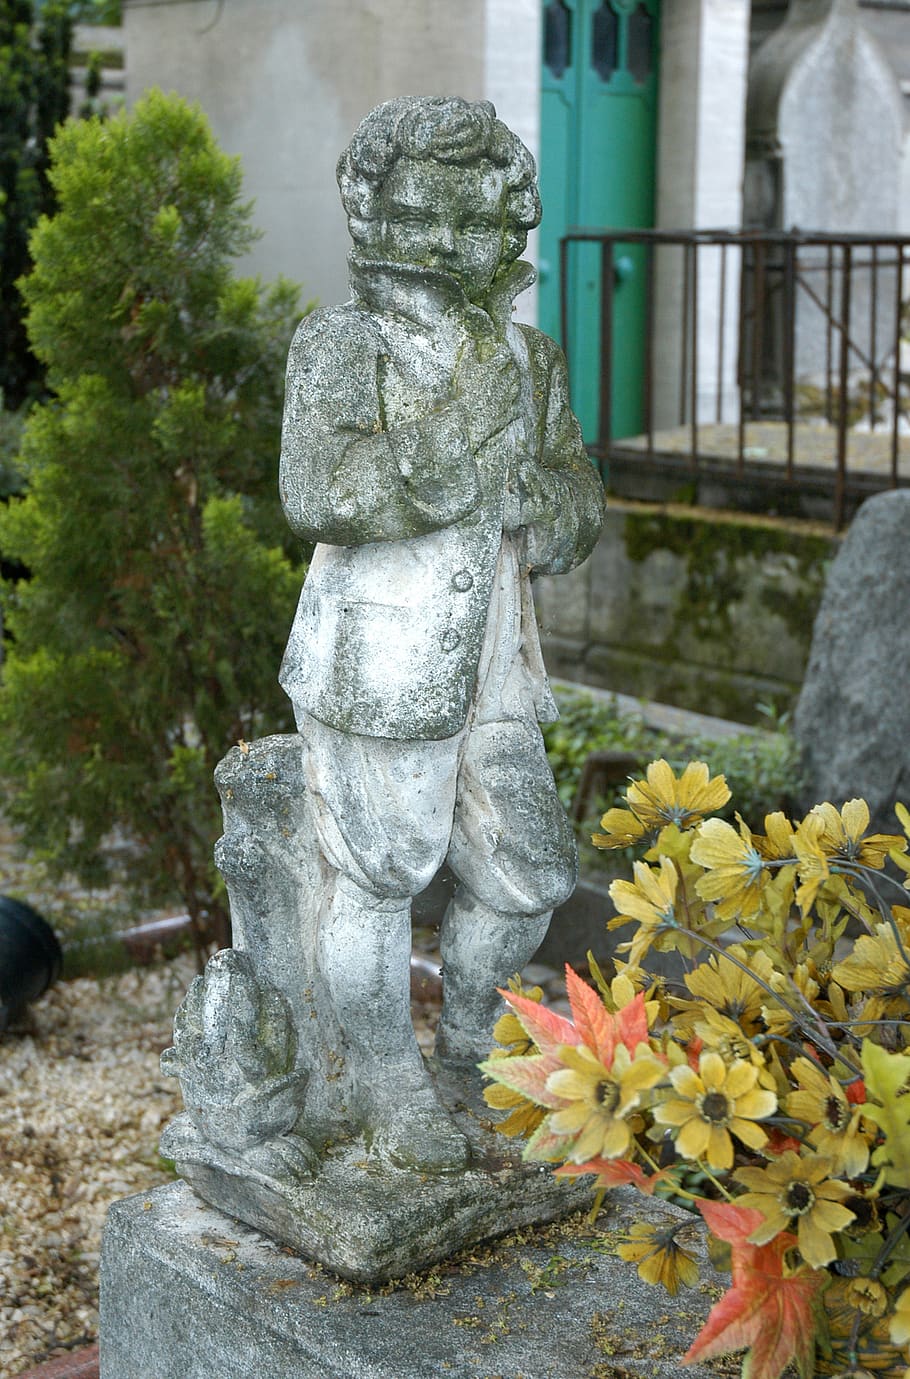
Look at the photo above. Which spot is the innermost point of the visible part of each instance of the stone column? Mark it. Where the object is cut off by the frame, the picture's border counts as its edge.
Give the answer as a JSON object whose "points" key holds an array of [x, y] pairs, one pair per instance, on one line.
{"points": [[704, 58], [824, 128]]}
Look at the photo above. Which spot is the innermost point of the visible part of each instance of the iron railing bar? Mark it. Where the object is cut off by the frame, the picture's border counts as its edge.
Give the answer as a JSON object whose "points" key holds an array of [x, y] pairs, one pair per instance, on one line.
{"points": [[758, 323], [721, 333], [873, 334], [684, 336], [741, 365], [693, 394], [835, 321], [841, 478], [790, 351], [774, 237], [605, 419], [828, 313], [651, 254], [898, 312]]}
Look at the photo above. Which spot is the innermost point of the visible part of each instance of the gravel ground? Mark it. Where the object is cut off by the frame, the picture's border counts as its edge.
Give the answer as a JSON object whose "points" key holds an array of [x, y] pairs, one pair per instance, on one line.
{"points": [[82, 1103]]}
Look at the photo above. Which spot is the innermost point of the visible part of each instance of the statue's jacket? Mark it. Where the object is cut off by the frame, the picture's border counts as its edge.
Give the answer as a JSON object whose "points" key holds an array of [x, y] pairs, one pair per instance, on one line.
{"points": [[382, 466]]}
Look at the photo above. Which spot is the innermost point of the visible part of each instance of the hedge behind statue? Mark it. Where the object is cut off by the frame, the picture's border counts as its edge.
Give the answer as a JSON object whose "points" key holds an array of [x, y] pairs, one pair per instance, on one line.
{"points": [[146, 639]]}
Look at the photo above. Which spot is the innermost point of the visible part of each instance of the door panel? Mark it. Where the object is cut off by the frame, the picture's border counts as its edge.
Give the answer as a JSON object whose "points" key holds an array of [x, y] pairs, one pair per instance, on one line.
{"points": [[598, 168]]}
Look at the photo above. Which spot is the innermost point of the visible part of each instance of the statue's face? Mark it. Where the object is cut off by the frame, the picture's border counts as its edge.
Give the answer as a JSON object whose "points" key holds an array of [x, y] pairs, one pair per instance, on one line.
{"points": [[445, 215]]}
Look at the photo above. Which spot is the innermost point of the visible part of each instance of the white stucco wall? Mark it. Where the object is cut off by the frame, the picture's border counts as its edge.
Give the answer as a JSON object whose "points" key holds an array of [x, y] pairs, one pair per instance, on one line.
{"points": [[284, 85], [512, 39], [701, 146]]}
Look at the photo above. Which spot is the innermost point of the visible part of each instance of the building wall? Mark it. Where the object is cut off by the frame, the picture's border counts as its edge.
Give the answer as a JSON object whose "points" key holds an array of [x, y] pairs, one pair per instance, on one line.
{"points": [[704, 53], [707, 610], [285, 84]]}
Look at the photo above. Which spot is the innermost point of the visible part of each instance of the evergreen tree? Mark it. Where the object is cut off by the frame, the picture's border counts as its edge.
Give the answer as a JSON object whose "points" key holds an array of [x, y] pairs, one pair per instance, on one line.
{"points": [[34, 98], [148, 638]]}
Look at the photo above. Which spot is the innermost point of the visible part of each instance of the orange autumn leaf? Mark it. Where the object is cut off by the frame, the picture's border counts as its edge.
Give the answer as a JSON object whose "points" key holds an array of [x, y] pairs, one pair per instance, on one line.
{"points": [[765, 1312], [595, 1025], [544, 1027], [614, 1173]]}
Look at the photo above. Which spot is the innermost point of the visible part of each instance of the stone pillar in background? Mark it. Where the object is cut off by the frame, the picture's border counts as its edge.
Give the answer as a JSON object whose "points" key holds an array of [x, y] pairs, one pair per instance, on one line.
{"points": [[824, 130], [703, 63]]}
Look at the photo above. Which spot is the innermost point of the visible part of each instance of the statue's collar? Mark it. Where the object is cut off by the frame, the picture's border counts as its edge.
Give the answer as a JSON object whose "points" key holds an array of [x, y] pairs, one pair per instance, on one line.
{"points": [[421, 295]]}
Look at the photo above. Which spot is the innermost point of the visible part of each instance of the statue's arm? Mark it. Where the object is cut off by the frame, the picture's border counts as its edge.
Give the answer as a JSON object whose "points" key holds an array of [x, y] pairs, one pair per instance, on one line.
{"points": [[346, 479], [562, 493]]}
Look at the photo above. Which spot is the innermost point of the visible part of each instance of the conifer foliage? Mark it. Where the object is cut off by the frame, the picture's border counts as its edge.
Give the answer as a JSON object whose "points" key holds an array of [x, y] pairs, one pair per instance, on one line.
{"points": [[34, 98], [147, 639]]}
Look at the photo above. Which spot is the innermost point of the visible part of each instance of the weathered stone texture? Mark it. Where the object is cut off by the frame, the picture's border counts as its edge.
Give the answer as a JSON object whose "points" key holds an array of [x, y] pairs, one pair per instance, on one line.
{"points": [[853, 715], [681, 605], [187, 1293]]}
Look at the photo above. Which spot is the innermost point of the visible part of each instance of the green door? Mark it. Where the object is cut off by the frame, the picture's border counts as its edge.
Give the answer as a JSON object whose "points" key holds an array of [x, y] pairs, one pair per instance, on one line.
{"points": [[598, 171]]}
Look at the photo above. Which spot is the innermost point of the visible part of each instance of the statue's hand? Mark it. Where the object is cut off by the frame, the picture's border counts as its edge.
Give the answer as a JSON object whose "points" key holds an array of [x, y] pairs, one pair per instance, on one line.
{"points": [[487, 384]]}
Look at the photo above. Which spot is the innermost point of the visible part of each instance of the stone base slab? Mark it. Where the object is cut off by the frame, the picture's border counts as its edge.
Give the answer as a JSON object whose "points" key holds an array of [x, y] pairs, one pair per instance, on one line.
{"points": [[188, 1293], [365, 1219]]}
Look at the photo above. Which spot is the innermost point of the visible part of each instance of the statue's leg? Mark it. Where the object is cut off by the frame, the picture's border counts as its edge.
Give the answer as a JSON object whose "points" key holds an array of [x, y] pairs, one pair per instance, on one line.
{"points": [[514, 855], [481, 950], [364, 956], [383, 815]]}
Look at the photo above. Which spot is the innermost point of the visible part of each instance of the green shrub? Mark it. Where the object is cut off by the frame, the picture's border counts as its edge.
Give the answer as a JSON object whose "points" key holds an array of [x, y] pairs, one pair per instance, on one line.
{"points": [[163, 582]]}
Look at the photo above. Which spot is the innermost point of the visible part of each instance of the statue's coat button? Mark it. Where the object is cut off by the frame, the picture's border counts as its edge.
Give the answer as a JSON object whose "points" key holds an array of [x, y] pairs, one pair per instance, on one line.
{"points": [[450, 639], [462, 581]]}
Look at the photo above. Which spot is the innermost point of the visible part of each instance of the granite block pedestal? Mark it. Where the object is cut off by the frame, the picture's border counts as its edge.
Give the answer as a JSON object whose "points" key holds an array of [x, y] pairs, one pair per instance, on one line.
{"points": [[188, 1293]]}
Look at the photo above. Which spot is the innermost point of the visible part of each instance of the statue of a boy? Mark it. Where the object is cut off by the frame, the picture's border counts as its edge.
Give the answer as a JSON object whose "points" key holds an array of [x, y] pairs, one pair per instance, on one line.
{"points": [[429, 448]]}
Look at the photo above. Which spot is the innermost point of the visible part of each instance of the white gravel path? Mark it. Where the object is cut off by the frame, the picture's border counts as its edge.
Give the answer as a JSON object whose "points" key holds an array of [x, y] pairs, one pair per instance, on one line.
{"points": [[82, 1103]]}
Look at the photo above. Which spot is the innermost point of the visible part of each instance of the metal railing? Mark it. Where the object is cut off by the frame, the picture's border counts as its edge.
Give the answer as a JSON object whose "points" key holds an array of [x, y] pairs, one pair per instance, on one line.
{"points": [[743, 327]]}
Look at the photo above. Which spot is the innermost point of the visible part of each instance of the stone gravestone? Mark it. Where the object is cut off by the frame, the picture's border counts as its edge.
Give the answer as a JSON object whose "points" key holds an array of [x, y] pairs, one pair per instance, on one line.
{"points": [[853, 715], [429, 449]]}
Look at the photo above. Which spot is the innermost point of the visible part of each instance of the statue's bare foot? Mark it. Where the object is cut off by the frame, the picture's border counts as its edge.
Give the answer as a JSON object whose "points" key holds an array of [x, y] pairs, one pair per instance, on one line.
{"points": [[418, 1134]]}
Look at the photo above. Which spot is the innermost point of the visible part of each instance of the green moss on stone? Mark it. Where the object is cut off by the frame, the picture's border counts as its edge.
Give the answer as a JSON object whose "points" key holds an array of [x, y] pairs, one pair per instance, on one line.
{"points": [[724, 558]]}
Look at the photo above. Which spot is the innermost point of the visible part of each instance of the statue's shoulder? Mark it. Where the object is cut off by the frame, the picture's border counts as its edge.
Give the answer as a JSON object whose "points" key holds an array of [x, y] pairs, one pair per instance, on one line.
{"points": [[543, 349], [336, 331]]}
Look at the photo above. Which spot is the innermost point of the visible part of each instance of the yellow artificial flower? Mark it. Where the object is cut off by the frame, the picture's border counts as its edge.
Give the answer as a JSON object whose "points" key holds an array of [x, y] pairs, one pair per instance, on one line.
{"points": [[622, 830], [661, 798], [728, 987], [900, 1319], [650, 899], [659, 1257], [734, 869], [779, 841], [821, 1102], [789, 986], [601, 1100], [524, 1116], [843, 835], [797, 1190], [712, 1104], [724, 1036], [812, 861], [877, 963]]}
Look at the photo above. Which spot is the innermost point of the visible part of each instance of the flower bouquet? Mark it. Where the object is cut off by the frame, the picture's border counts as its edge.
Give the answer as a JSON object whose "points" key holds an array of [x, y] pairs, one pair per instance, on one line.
{"points": [[768, 1089]]}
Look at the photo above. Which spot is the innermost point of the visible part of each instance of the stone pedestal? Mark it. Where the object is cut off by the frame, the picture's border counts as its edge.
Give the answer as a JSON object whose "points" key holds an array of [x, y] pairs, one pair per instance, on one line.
{"points": [[187, 1293], [367, 1220]]}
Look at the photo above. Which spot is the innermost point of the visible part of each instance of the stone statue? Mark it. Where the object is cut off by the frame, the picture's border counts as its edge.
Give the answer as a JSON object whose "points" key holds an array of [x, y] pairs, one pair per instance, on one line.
{"points": [[429, 449]]}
